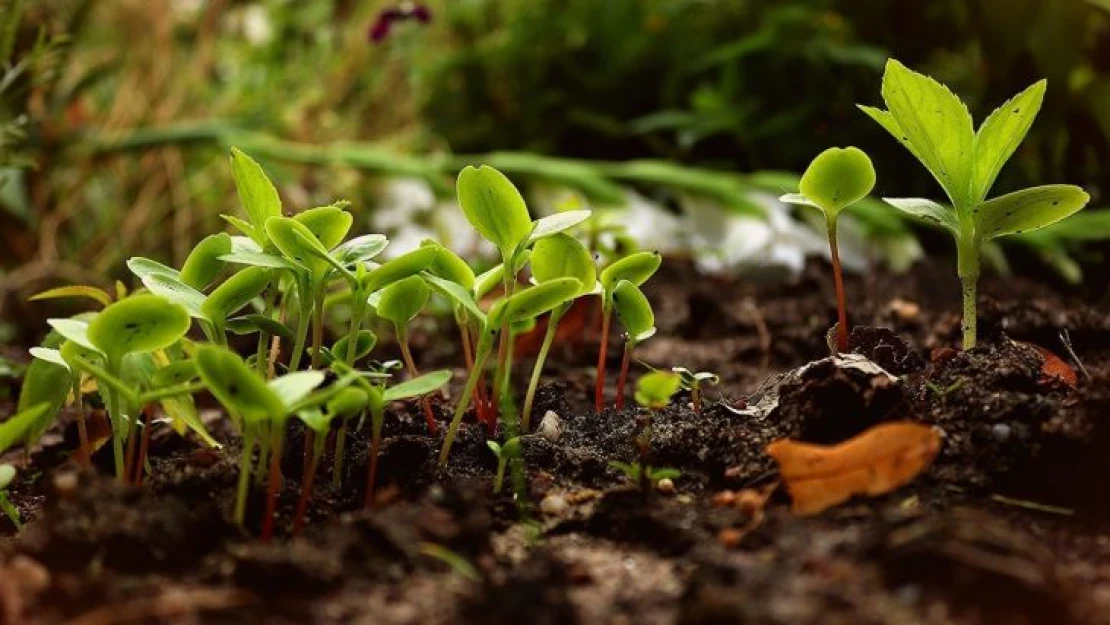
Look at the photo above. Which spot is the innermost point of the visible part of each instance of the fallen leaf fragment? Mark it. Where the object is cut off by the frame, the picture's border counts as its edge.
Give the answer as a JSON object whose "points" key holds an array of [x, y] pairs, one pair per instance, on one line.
{"points": [[877, 461], [1054, 367]]}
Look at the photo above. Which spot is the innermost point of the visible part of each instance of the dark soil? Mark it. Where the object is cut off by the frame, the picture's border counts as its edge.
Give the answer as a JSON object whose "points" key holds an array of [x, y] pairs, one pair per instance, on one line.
{"points": [[1011, 524]]}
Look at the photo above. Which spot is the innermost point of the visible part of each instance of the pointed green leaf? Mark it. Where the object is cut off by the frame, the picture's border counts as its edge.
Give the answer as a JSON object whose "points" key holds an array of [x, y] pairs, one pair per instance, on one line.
{"points": [[259, 197], [140, 323], [533, 301], [329, 224], [418, 386], [204, 263], [458, 295], [257, 259], [634, 311], [238, 387], [837, 178], [76, 290], [73, 330], [256, 235], [49, 355], [296, 242], [797, 198], [1028, 209], [250, 324], [559, 222], [936, 123], [636, 268], [494, 207], [927, 210], [563, 256], [449, 266], [1001, 133], [15, 429], [235, 293], [403, 300], [145, 267], [398, 268], [360, 249]]}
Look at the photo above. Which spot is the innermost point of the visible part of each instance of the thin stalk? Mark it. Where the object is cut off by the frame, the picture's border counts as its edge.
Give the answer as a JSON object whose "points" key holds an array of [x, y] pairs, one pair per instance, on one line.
{"points": [[537, 369], [263, 336], [263, 436], [301, 335], [468, 357], [277, 441], [82, 428], [340, 452], [695, 397], [117, 441], [410, 366], [144, 447], [306, 487], [358, 309], [599, 392], [838, 280], [480, 357], [241, 489], [317, 328], [499, 479], [629, 345], [967, 250], [377, 417]]}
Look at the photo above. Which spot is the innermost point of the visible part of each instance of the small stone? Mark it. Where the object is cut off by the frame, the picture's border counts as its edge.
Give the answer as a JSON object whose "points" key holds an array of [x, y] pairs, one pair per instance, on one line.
{"points": [[1001, 432], [551, 426], [730, 537], [905, 310], [665, 486], [554, 505], [65, 484], [723, 499]]}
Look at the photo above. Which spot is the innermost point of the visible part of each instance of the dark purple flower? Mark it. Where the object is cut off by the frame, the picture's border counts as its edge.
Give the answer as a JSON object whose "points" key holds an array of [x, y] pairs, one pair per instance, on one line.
{"points": [[381, 27]]}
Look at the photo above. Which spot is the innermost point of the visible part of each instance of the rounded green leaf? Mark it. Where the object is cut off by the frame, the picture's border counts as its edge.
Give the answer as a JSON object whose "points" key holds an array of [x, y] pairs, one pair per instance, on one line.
{"points": [[175, 373], [399, 268], [838, 177], [329, 224], [559, 222], [348, 402], [360, 249], [494, 207], [238, 387], [141, 323], [403, 300], [7, 474], [235, 293], [654, 389], [634, 311], [636, 268], [296, 242], [417, 386], [533, 301], [293, 387], [563, 256], [364, 344], [204, 263], [449, 266]]}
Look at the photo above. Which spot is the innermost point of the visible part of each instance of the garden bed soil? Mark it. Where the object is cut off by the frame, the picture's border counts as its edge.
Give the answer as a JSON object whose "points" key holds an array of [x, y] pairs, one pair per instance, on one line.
{"points": [[1011, 524]]}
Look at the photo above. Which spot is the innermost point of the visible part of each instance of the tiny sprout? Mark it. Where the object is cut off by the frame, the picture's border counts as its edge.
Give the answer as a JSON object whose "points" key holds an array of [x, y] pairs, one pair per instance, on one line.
{"points": [[635, 268], [635, 314], [693, 382], [836, 179], [511, 449], [940, 134], [634, 472], [400, 303], [7, 474], [653, 391]]}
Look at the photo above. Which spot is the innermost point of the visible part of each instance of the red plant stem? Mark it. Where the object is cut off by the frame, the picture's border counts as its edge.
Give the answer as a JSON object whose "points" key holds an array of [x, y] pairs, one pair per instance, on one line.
{"points": [[406, 355], [144, 447], [306, 494], [468, 356], [838, 280], [309, 441], [599, 392], [372, 472], [82, 428], [129, 454], [273, 480], [624, 374]]}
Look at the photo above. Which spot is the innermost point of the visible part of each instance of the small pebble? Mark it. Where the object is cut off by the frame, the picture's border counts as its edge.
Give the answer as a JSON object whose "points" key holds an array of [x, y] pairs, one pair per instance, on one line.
{"points": [[551, 426], [723, 499], [904, 310], [65, 484], [1001, 432], [554, 505], [730, 537], [665, 486]]}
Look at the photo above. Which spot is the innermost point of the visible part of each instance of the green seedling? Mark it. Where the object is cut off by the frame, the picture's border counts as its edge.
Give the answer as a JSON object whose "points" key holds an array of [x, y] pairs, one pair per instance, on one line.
{"points": [[836, 179], [636, 269], [264, 409], [935, 126], [400, 303], [555, 257], [16, 428], [635, 314], [511, 449], [526, 304], [7, 474], [635, 472], [55, 360], [694, 381], [138, 324], [653, 392]]}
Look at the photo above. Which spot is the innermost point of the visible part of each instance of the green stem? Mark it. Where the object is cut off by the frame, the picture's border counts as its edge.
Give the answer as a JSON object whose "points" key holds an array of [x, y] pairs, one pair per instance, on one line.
{"points": [[263, 336], [244, 474], [358, 309], [499, 479], [317, 328], [377, 418], [340, 451], [537, 369], [118, 433], [967, 249], [10, 511], [485, 344], [302, 333], [263, 436], [82, 428]]}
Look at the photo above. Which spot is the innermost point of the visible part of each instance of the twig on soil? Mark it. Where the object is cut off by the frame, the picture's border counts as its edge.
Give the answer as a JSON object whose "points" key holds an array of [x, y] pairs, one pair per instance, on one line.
{"points": [[1032, 505], [1065, 338]]}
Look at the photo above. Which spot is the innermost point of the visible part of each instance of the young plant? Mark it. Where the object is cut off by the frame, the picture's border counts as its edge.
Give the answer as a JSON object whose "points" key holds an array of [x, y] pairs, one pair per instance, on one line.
{"points": [[693, 382], [400, 303], [836, 179], [344, 405], [653, 392], [7, 474], [635, 314], [935, 126], [555, 257], [636, 269], [510, 450]]}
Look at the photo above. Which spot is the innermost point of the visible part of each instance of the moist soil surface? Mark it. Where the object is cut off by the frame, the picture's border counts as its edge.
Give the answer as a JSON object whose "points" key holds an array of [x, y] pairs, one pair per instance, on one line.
{"points": [[1010, 524]]}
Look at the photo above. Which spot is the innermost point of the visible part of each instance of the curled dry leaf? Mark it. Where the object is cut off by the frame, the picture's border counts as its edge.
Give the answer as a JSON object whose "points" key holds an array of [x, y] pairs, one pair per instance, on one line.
{"points": [[1054, 367], [877, 461]]}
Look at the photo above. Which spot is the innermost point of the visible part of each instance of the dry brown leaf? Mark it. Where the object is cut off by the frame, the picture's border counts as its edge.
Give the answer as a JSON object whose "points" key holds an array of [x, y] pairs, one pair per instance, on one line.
{"points": [[1054, 368], [877, 461]]}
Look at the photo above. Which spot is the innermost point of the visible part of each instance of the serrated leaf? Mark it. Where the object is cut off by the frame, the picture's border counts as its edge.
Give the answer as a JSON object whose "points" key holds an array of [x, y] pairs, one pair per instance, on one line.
{"points": [[563, 256], [1001, 133], [936, 123], [1028, 209], [494, 207], [559, 222], [76, 290], [927, 210], [259, 197], [417, 386], [534, 300], [204, 262]]}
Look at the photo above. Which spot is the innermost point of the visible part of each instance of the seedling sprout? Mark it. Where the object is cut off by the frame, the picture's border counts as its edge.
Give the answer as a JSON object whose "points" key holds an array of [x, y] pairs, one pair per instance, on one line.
{"points": [[504, 453], [693, 382], [400, 303], [836, 179], [636, 269], [7, 474]]}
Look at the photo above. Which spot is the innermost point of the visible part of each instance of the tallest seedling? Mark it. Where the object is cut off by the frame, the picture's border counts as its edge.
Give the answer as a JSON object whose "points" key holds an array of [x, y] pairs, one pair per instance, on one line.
{"points": [[937, 129]]}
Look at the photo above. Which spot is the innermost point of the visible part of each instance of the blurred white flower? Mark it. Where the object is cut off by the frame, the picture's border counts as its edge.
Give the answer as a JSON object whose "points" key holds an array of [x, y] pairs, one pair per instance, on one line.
{"points": [[256, 24]]}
